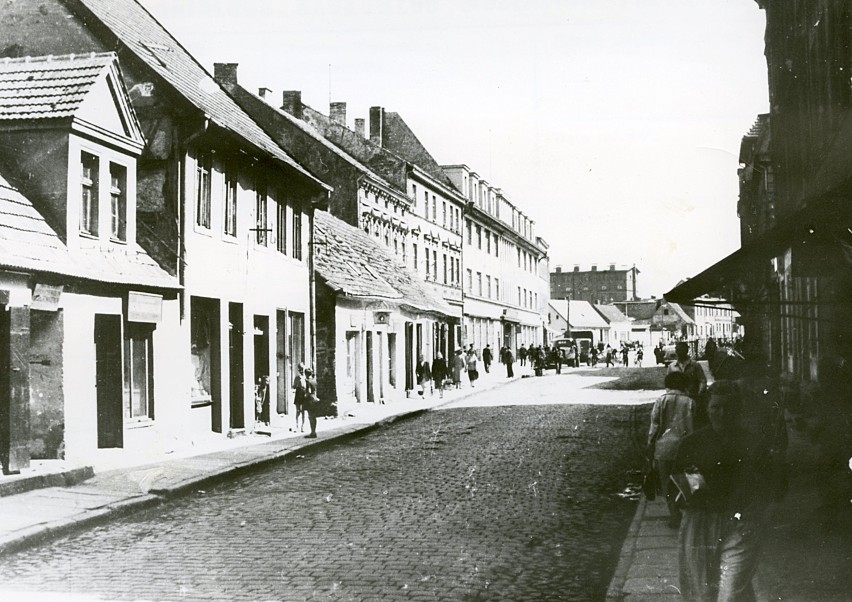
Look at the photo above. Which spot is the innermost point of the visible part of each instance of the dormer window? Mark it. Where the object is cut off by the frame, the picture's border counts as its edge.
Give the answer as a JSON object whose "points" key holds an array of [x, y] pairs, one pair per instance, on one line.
{"points": [[89, 195], [118, 202]]}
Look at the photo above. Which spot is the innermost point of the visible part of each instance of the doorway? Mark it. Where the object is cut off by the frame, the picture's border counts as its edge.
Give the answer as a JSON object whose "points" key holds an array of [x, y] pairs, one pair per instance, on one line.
{"points": [[261, 368], [409, 357], [235, 361], [353, 366], [370, 395], [281, 371], [108, 376]]}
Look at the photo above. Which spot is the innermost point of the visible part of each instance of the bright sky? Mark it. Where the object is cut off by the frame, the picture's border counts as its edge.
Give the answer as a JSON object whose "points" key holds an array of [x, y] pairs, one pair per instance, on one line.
{"points": [[614, 124]]}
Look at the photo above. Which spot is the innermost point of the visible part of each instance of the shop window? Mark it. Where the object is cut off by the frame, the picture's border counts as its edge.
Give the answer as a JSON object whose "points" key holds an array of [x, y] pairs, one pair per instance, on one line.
{"points": [[138, 371], [118, 202], [89, 194]]}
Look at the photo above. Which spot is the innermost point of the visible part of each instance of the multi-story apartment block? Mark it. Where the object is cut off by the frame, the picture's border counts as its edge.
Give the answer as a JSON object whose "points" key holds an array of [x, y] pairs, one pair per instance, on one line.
{"points": [[505, 267], [367, 345], [219, 205], [594, 285]]}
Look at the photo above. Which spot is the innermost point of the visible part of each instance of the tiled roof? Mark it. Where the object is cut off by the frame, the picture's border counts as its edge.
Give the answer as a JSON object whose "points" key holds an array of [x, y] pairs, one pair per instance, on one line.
{"points": [[580, 314], [143, 35], [27, 242], [353, 263], [48, 87]]}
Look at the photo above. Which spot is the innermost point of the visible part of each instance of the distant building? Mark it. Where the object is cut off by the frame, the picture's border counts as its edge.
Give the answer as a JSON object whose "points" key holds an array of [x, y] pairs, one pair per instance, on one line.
{"points": [[655, 320], [577, 319], [620, 326], [594, 285]]}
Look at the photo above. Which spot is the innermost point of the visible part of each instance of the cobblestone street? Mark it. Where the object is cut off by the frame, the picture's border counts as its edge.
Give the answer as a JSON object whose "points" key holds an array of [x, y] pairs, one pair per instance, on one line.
{"points": [[479, 503]]}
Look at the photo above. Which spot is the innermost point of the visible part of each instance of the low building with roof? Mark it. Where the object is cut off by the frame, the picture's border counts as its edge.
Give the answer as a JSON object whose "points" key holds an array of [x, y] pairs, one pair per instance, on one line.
{"points": [[372, 313], [91, 321], [620, 326], [578, 320], [656, 321]]}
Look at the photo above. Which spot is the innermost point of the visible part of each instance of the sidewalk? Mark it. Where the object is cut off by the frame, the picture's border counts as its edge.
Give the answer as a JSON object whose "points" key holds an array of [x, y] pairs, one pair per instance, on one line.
{"points": [[52, 499], [806, 554]]}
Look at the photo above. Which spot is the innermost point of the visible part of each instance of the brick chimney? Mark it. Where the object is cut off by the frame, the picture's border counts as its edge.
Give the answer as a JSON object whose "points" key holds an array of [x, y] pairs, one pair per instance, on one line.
{"points": [[559, 269], [594, 267], [291, 102], [359, 127], [576, 268], [612, 267], [337, 112], [225, 73], [377, 125], [265, 94]]}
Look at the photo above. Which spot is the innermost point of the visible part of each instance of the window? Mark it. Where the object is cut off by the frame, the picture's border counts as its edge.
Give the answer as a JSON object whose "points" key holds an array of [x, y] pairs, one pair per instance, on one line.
{"points": [[89, 194], [297, 231], [469, 281], [497, 288], [138, 371], [444, 214], [478, 237], [479, 283], [231, 202], [202, 191], [469, 233], [414, 192], [434, 209], [520, 299], [428, 271], [446, 273], [435, 266], [281, 227], [496, 246], [118, 202], [426, 204], [261, 216], [414, 257], [488, 286], [488, 242]]}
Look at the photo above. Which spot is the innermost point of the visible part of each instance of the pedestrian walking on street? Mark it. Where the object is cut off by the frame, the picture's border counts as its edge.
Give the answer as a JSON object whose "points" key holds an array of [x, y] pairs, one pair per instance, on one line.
{"points": [[727, 477], [424, 376], [458, 365], [672, 418], [311, 403], [439, 373], [697, 379], [639, 355], [625, 356], [522, 355], [486, 358], [470, 362], [299, 396], [608, 356], [509, 360]]}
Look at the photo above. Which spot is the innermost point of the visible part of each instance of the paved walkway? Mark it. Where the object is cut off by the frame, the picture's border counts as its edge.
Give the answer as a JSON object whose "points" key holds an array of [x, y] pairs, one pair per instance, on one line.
{"points": [[806, 554]]}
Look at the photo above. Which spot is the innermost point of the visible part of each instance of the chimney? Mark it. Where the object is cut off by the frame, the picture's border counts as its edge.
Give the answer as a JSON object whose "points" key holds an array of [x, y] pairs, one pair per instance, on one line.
{"points": [[594, 267], [359, 127], [291, 102], [559, 269], [265, 94], [337, 112], [612, 267], [225, 73], [377, 125], [576, 268]]}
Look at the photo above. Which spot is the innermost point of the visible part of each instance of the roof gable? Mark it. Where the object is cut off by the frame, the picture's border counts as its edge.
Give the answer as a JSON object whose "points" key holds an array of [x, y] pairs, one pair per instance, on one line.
{"points": [[83, 87], [400, 139]]}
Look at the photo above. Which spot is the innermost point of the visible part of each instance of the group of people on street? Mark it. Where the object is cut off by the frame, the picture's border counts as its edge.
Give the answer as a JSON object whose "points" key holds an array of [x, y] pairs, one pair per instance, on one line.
{"points": [[717, 476], [305, 399]]}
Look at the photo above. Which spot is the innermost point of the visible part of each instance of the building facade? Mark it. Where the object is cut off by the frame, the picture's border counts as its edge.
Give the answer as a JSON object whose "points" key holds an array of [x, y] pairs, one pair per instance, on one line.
{"points": [[219, 205], [594, 285], [90, 322], [505, 268]]}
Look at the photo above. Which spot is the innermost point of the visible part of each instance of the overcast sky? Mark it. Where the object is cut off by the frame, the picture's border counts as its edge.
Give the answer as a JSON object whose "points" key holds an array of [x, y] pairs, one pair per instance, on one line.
{"points": [[614, 124]]}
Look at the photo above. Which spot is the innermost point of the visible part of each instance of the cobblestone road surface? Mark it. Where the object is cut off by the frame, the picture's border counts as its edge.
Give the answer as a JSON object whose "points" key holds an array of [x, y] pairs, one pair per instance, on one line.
{"points": [[510, 503]]}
